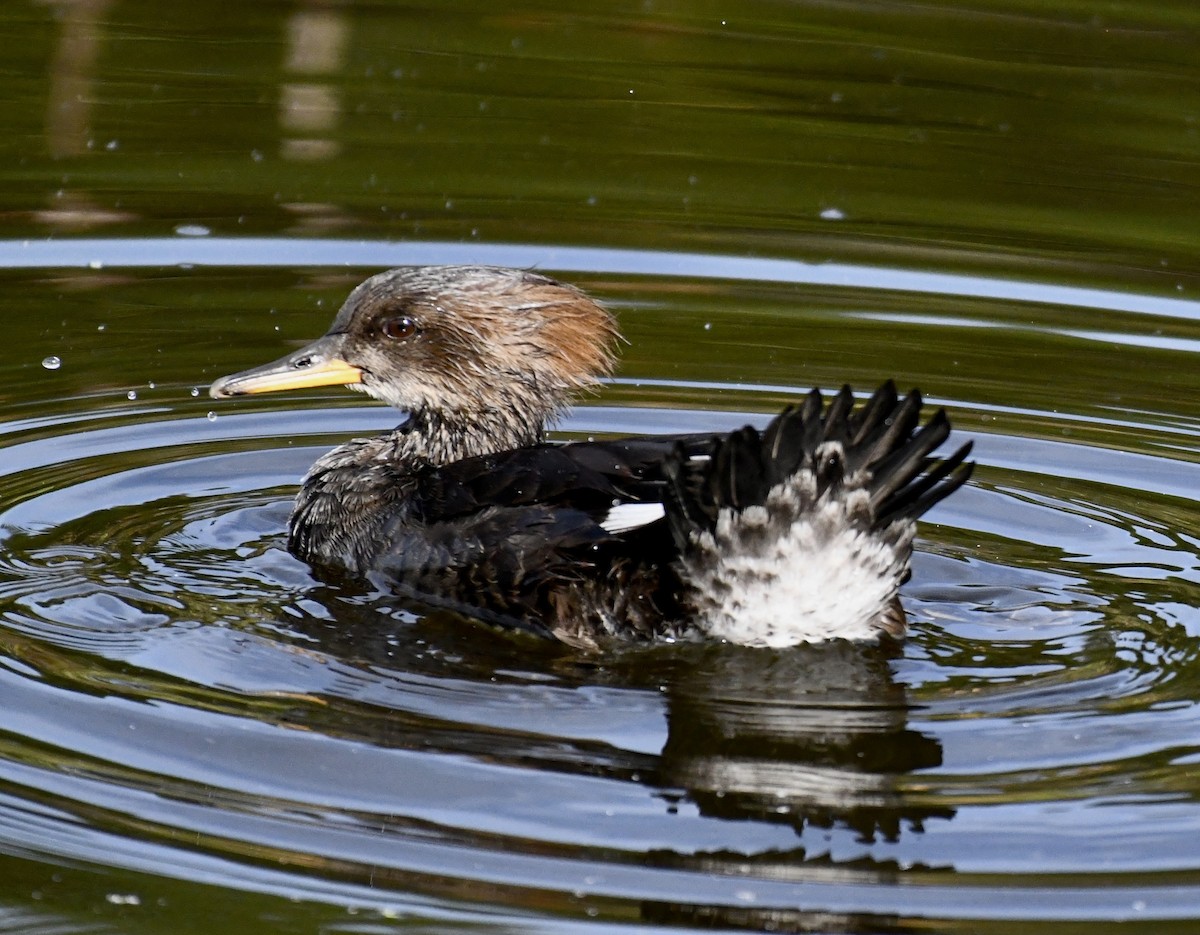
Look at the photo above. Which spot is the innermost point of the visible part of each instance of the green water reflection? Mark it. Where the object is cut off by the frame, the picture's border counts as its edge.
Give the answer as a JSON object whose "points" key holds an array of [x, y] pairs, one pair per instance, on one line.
{"points": [[955, 132]]}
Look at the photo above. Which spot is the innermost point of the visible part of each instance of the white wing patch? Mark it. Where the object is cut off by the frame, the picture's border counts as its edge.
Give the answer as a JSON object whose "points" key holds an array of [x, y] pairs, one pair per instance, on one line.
{"points": [[626, 516]]}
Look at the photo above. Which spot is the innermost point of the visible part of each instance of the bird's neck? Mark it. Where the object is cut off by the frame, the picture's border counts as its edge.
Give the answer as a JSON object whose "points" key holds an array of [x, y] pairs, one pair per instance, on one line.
{"points": [[438, 437], [354, 491]]}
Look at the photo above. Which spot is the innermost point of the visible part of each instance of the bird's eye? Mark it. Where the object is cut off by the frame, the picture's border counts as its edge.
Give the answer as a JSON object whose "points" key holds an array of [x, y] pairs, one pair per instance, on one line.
{"points": [[398, 328]]}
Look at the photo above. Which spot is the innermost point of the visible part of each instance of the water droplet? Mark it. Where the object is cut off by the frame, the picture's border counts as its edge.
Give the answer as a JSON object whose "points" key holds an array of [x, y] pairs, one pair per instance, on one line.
{"points": [[132, 394], [195, 391], [833, 214], [212, 416], [52, 362]]}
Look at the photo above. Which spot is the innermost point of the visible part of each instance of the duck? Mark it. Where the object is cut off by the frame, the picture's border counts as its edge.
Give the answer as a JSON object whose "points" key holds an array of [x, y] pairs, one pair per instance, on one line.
{"points": [[801, 532]]}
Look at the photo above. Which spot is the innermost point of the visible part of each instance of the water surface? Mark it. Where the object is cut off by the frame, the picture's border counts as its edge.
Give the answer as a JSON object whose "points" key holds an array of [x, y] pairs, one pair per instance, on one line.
{"points": [[990, 201]]}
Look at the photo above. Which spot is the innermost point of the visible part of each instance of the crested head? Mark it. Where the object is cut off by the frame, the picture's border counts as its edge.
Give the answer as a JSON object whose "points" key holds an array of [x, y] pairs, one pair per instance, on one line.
{"points": [[466, 340], [480, 356]]}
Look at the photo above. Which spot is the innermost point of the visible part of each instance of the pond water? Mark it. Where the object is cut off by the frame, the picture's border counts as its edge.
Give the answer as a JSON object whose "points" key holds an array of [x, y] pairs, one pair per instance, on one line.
{"points": [[988, 199]]}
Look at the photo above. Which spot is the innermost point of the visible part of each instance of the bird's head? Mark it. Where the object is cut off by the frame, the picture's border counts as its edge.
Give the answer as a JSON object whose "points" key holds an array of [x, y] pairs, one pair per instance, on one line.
{"points": [[457, 343]]}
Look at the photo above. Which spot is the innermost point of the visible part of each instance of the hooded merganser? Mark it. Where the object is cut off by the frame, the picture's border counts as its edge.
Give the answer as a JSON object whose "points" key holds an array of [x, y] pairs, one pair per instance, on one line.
{"points": [[799, 533]]}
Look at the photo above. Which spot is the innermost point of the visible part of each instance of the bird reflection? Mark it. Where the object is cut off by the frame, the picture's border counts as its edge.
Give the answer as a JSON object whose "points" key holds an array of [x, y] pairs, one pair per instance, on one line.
{"points": [[816, 737]]}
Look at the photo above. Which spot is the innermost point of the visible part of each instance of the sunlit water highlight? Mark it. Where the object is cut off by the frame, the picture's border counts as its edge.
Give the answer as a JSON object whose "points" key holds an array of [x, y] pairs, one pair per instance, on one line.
{"points": [[108, 253]]}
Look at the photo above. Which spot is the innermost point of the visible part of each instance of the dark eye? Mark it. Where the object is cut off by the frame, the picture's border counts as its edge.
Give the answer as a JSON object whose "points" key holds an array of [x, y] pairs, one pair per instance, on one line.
{"points": [[398, 328]]}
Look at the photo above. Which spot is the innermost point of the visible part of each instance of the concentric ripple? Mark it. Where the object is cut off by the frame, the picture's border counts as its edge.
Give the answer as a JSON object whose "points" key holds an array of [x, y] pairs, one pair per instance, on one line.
{"points": [[182, 698]]}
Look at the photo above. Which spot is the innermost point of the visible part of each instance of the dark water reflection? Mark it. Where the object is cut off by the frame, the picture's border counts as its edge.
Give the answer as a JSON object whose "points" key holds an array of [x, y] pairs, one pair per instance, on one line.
{"points": [[990, 200]]}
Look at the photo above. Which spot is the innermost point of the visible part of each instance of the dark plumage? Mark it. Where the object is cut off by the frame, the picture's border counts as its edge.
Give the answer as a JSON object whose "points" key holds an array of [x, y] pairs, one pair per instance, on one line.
{"points": [[801, 532]]}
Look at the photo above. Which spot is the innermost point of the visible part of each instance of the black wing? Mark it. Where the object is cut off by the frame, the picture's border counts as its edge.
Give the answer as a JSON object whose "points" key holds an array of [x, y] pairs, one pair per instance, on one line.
{"points": [[517, 537], [880, 447]]}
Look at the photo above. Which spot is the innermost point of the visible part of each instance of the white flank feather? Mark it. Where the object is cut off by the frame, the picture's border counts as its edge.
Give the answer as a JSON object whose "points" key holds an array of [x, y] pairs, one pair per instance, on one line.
{"points": [[796, 570]]}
